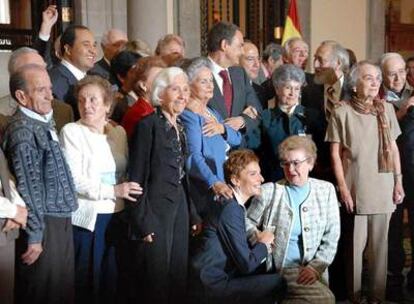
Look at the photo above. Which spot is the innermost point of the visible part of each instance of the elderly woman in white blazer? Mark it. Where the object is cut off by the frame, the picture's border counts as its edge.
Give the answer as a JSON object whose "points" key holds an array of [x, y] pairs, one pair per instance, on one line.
{"points": [[303, 213], [97, 154]]}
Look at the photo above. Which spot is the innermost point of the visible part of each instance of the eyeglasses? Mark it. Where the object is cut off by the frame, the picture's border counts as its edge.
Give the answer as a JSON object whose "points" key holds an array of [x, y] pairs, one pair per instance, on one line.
{"points": [[296, 163]]}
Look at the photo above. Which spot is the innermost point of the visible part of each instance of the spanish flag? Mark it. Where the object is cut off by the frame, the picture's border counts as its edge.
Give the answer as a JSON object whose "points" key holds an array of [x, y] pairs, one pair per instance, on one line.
{"points": [[292, 24]]}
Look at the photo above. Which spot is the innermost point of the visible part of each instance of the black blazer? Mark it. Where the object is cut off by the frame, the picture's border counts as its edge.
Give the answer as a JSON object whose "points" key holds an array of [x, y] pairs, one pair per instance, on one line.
{"points": [[63, 82], [103, 69], [156, 167], [243, 96]]}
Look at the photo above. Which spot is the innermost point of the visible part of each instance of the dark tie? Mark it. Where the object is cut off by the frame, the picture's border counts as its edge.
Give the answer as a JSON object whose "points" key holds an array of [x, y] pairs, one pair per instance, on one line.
{"points": [[330, 102], [227, 90]]}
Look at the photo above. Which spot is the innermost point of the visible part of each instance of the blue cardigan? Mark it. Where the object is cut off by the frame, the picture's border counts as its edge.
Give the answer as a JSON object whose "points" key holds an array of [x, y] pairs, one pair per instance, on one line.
{"points": [[206, 154]]}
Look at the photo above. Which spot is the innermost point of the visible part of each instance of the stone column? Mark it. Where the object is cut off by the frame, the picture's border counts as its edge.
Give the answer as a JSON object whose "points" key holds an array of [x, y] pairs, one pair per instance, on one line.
{"points": [[149, 20], [189, 25]]}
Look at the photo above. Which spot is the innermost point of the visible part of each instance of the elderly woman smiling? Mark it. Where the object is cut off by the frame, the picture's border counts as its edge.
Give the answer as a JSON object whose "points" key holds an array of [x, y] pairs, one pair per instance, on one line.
{"points": [[366, 162], [97, 153], [209, 139], [303, 213], [160, 219], [288, 118]]}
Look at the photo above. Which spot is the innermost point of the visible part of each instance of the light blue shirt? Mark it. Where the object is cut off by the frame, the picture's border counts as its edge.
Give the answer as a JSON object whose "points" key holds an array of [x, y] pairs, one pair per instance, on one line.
{"points": [[294, 253]]}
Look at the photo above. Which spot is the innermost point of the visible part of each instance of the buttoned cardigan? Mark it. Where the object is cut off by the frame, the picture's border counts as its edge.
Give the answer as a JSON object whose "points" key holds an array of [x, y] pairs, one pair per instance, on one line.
{"points": [[319, 215]]}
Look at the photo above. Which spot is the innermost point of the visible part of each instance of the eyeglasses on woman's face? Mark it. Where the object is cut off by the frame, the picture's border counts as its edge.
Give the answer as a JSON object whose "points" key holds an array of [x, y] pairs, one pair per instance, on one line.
{"points": [[296, 163]]}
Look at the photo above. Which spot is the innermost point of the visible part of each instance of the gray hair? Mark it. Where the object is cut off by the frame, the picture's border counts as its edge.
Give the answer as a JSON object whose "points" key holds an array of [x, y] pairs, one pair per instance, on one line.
{"points": [[162, 81], [15, 55], [287, 72], [273, 51], [105, 36], [387, 56], [338, 53], [194, 67], [288, 44], [353, 75]]}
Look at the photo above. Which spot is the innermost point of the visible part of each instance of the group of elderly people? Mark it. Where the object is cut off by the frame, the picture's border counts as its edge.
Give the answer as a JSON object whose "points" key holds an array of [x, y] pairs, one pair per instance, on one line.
{"points": [[170, 207]]}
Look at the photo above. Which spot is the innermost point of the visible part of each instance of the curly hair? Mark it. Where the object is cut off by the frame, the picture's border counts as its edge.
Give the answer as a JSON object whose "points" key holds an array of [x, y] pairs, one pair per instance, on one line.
{"points": [[237, 161]]}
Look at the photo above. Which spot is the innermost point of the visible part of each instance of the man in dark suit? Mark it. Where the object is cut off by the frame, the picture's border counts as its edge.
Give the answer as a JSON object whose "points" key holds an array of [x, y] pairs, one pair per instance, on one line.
{"points": [[250, 61], [234, 98], [78, 49], [396, 90], [323, 93], [112, 42]]}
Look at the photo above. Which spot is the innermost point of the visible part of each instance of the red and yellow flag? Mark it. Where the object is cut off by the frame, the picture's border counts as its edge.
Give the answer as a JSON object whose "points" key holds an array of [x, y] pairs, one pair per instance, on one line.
{"points": [[292, 24]]}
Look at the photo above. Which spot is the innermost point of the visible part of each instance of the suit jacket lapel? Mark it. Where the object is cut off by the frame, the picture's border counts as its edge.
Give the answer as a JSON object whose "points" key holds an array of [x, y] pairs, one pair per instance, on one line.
{"points": [[217, 102]]}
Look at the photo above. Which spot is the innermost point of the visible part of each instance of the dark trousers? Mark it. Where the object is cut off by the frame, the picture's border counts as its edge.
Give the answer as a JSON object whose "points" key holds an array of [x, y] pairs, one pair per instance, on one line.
{"points": [[396, 254], [51, 278], [96, 275], [337, 282], [162, 264]]}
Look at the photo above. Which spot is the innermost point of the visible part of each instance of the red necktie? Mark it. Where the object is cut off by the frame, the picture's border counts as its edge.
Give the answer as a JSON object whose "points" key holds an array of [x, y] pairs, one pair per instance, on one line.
{"points": [[227, 90]]}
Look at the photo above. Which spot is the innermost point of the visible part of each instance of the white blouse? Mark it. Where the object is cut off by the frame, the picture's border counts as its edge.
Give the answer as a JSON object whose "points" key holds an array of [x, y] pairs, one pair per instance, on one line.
{"points": [[97, 162]]}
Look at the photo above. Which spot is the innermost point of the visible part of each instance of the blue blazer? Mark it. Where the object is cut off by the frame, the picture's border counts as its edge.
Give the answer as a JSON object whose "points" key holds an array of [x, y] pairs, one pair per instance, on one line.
{"points": [[206, 156], [225, 253]]}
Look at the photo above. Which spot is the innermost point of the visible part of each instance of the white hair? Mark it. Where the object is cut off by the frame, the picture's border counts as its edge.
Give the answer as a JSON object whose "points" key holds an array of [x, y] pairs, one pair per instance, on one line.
{"points": [[387, 56], [107, 34], [162, 81]]}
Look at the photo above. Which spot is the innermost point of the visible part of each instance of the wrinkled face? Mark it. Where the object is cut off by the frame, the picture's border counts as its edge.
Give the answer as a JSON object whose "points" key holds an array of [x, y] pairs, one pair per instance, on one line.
{"points": [[174, 98], [116, 40], [299, 53], [296, 167], [250, 60], [369, 82], [173, 47], [234, 50], [83, 52], [325, 66], [202, 85], [38, 93], [92, 109], [249, 180], [395, 74], [288, 94]]}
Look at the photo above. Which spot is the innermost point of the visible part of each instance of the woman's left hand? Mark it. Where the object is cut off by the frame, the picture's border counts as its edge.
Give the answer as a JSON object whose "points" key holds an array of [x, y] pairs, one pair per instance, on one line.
{"points": [[213, 127], [398, 193], [307, 276], [128, 190]]}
